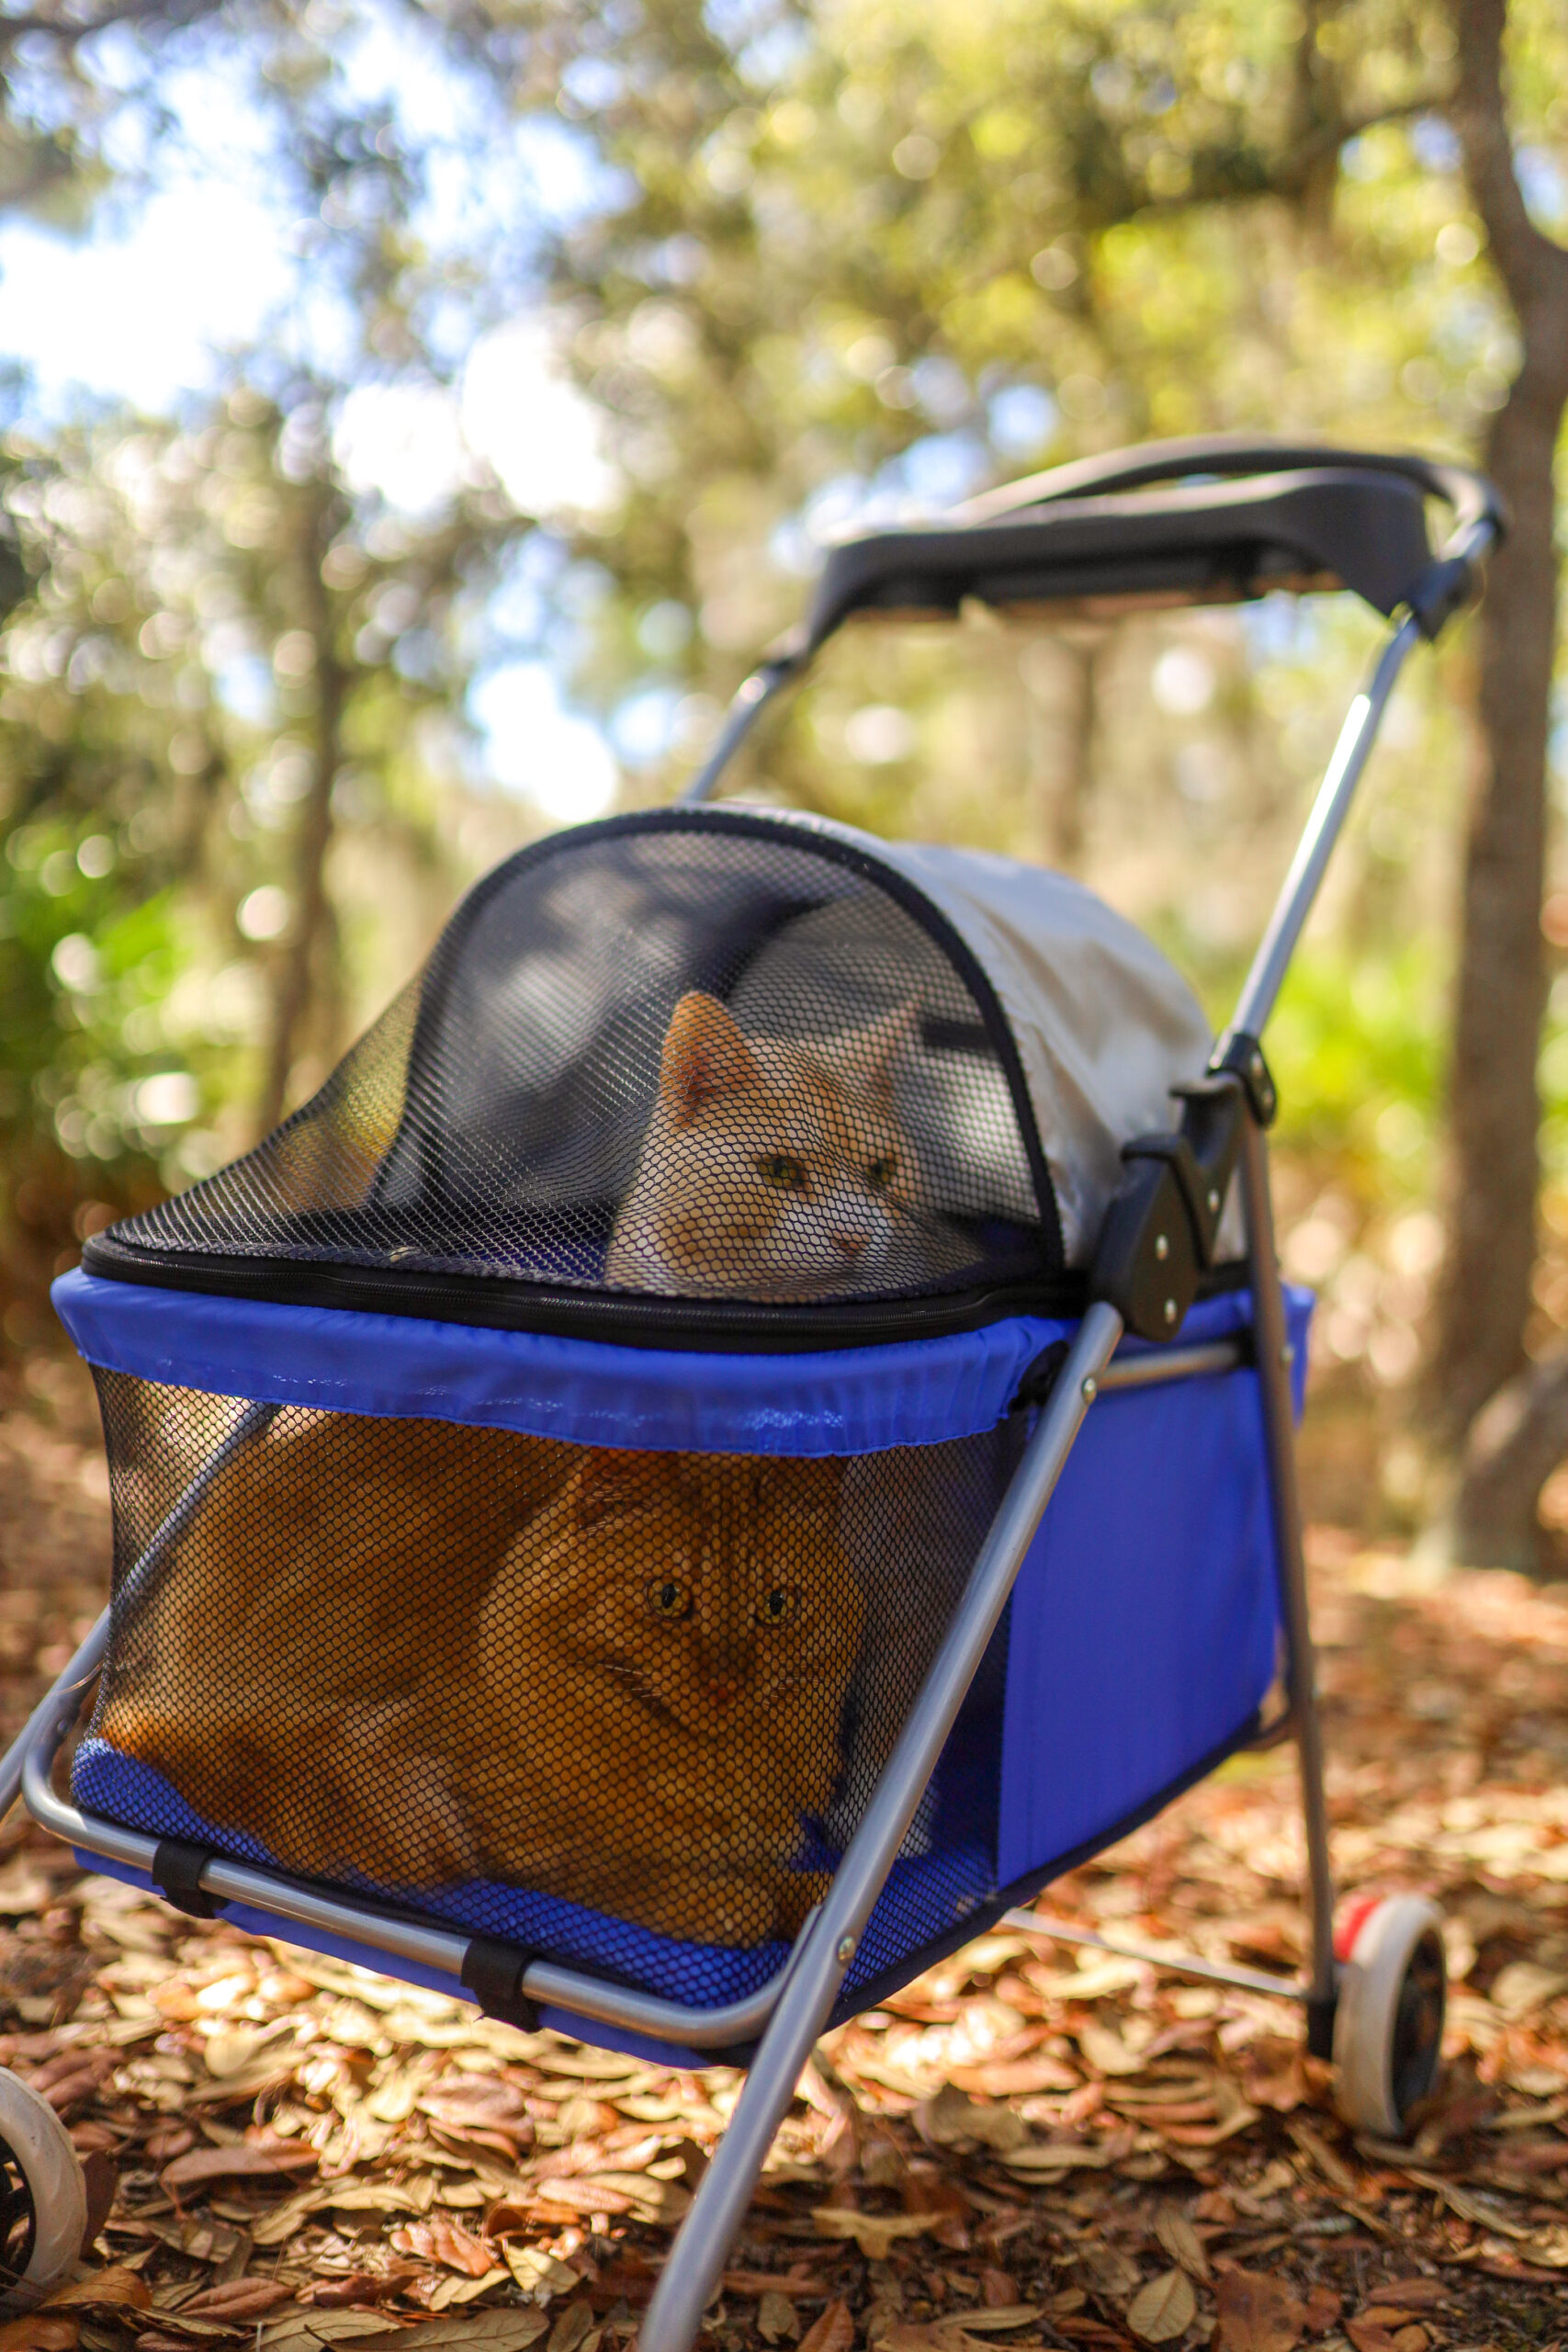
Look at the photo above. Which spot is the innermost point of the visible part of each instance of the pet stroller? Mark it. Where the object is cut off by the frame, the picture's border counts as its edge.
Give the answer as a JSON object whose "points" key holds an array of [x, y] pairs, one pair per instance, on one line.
{"points": [[608, 1512]]}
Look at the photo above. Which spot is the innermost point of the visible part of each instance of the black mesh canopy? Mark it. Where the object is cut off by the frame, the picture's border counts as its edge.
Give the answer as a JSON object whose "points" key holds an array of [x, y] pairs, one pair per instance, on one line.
{"points": [[705, 1063]]}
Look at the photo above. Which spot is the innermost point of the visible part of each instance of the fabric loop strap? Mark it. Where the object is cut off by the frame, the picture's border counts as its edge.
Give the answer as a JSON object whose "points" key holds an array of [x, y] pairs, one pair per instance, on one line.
{"points": [[177, 1865], [493, 1972]]}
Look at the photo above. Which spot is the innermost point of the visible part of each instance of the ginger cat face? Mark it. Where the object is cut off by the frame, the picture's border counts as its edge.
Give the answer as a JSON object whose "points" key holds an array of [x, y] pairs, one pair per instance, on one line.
{"points": [[774, 1169], [713, 1589], [674, 1635]]}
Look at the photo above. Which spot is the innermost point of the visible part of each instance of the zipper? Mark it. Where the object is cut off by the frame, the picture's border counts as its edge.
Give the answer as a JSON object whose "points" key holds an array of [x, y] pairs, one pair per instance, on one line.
{"points": [[717, 1326]]}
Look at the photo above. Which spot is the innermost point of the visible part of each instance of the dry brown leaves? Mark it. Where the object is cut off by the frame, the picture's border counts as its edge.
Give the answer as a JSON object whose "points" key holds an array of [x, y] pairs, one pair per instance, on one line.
{"points": [[1034, 2146]]}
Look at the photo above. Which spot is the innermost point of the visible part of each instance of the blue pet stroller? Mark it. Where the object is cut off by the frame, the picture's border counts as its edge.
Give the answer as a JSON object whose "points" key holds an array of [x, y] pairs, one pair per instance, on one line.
{"points": [[608, 1515]]}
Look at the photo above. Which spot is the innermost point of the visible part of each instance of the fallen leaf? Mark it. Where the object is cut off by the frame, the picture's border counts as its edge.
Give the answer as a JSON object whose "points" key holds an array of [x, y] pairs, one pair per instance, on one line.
{"points": [[953, 2119], [540, 2275], [276, 2165], [451, 2290], [570, 2329], [1015, 2077], [789, 2283], [1337, 2174], [1181, 2242], [1323, 2308], [778, 2322], [114, 2290], [229, 2050], [360, 2287], [996, 2321], [446, 2243], [1107, 2052], [489, 2331], [1256, 2313], [38, 2332], [1072, 2155], [1368, 2335], [1414, 2294], [1112, 2274], [874, 2234], [238, 2298], [834, 2332], [1164, 2308]]}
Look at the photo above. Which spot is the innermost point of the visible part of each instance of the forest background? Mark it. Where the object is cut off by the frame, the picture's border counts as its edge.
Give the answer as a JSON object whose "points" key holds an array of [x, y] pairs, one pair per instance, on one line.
{"points": [[416, 417]]}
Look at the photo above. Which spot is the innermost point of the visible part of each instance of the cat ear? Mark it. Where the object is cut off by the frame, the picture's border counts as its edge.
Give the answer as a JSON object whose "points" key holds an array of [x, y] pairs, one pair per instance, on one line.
{"points": [[886, 1041], [705, 1054], [867, 1057]]}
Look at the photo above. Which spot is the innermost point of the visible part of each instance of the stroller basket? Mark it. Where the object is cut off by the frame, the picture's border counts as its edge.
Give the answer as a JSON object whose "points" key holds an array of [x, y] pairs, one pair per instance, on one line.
{"points": [[623, 1707]]}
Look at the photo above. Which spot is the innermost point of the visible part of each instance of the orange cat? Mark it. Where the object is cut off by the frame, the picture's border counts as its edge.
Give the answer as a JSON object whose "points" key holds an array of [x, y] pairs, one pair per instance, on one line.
{"points": [[421, 1655], [776, 1169], [672, 1641]]}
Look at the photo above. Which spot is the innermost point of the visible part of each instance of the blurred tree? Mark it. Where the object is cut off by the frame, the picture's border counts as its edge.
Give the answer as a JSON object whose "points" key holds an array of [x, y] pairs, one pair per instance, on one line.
{"points": [[1485, 1302], [230, 711]]}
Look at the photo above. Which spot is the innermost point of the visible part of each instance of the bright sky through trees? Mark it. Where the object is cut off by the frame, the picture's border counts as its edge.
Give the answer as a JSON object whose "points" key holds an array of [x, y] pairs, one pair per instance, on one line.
{"points": [[144, 307]]}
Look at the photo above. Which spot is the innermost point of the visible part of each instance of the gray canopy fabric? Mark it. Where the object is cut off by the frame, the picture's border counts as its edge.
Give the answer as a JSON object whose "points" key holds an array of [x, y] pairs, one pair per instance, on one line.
{"points": [[1104, 1022]]}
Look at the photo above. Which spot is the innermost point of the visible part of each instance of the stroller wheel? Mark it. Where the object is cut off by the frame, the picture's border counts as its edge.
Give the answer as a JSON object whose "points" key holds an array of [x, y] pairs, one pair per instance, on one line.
{"points": [[1388, 2024], [43, 2197]]}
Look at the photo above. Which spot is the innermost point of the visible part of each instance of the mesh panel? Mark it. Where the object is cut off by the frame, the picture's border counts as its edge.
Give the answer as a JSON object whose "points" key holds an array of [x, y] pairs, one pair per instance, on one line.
{"points": [[606, 1703], [703, 1058]]}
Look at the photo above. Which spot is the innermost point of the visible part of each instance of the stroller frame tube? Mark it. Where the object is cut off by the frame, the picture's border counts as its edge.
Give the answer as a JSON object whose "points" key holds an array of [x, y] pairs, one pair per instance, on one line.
{"points": [[1300, 888]]}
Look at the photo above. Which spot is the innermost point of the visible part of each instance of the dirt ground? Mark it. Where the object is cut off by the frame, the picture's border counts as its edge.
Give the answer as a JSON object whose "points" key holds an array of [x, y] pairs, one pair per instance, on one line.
{"points": [[1034, 2144]]}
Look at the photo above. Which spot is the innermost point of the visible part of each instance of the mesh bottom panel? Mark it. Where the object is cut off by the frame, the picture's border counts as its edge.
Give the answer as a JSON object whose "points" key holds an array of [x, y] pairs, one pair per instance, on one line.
{"points": [[617, 1705]]}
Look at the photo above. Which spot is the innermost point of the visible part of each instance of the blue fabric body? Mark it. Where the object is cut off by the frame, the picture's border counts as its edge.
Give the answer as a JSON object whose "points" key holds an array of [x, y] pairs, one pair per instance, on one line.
{"points": [[1139, 1641]]}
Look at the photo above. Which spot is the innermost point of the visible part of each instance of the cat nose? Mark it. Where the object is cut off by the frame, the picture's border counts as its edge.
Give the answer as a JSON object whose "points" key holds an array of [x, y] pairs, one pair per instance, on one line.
{"points": [[722, 1689], [849, 1245]]}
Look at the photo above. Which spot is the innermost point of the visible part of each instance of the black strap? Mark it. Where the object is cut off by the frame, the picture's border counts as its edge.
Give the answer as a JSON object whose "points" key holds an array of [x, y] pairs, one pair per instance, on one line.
{"points": [[177, 1865], [493, 1972], [1040, 1378]]}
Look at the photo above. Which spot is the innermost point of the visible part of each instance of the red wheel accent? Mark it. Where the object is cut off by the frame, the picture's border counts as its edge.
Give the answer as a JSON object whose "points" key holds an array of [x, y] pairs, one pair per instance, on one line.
{"points": [[1351, 1920]]}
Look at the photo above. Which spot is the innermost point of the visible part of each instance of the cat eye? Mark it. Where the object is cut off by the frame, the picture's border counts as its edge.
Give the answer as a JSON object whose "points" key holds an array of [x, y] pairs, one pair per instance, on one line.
{"points": [[780, 1168], [881, 1172], [776, 1606], [668, 1599]]}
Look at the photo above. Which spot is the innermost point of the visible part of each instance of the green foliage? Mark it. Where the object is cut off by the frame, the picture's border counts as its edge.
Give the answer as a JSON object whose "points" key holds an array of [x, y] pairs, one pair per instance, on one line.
{"points": [[842, 263], [1356, 1047]]}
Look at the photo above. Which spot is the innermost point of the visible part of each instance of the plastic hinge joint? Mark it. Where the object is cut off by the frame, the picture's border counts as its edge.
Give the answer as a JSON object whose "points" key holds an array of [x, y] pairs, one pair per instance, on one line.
{"points": [[175, 1872], [493, 1971], [1443, 589], [1240, 1056], [1161, 1232]]}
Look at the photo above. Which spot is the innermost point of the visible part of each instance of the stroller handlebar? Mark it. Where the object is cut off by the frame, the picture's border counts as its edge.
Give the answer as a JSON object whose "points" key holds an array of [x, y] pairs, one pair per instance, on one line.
{"points": [[1214, 520]]}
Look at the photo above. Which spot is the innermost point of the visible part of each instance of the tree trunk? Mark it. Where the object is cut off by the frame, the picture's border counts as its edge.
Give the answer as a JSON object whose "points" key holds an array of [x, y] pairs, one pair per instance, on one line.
{"points": [[1084, 649], [1493, 1112], [1515, 1443], [312, 928]]}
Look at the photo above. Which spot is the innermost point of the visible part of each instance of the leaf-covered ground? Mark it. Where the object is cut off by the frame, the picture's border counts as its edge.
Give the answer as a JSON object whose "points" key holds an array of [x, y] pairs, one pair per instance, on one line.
{"points": [[1035, 2146]]}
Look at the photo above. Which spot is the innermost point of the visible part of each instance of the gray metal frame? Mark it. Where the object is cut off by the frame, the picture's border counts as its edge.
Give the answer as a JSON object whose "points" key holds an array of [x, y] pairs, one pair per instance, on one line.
{"points": [[788, 2013]]}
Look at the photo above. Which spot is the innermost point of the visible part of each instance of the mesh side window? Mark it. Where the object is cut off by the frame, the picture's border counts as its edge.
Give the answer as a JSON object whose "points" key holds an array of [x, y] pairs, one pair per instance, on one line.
{"points": [[533, 1687], [686, 1060]]}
